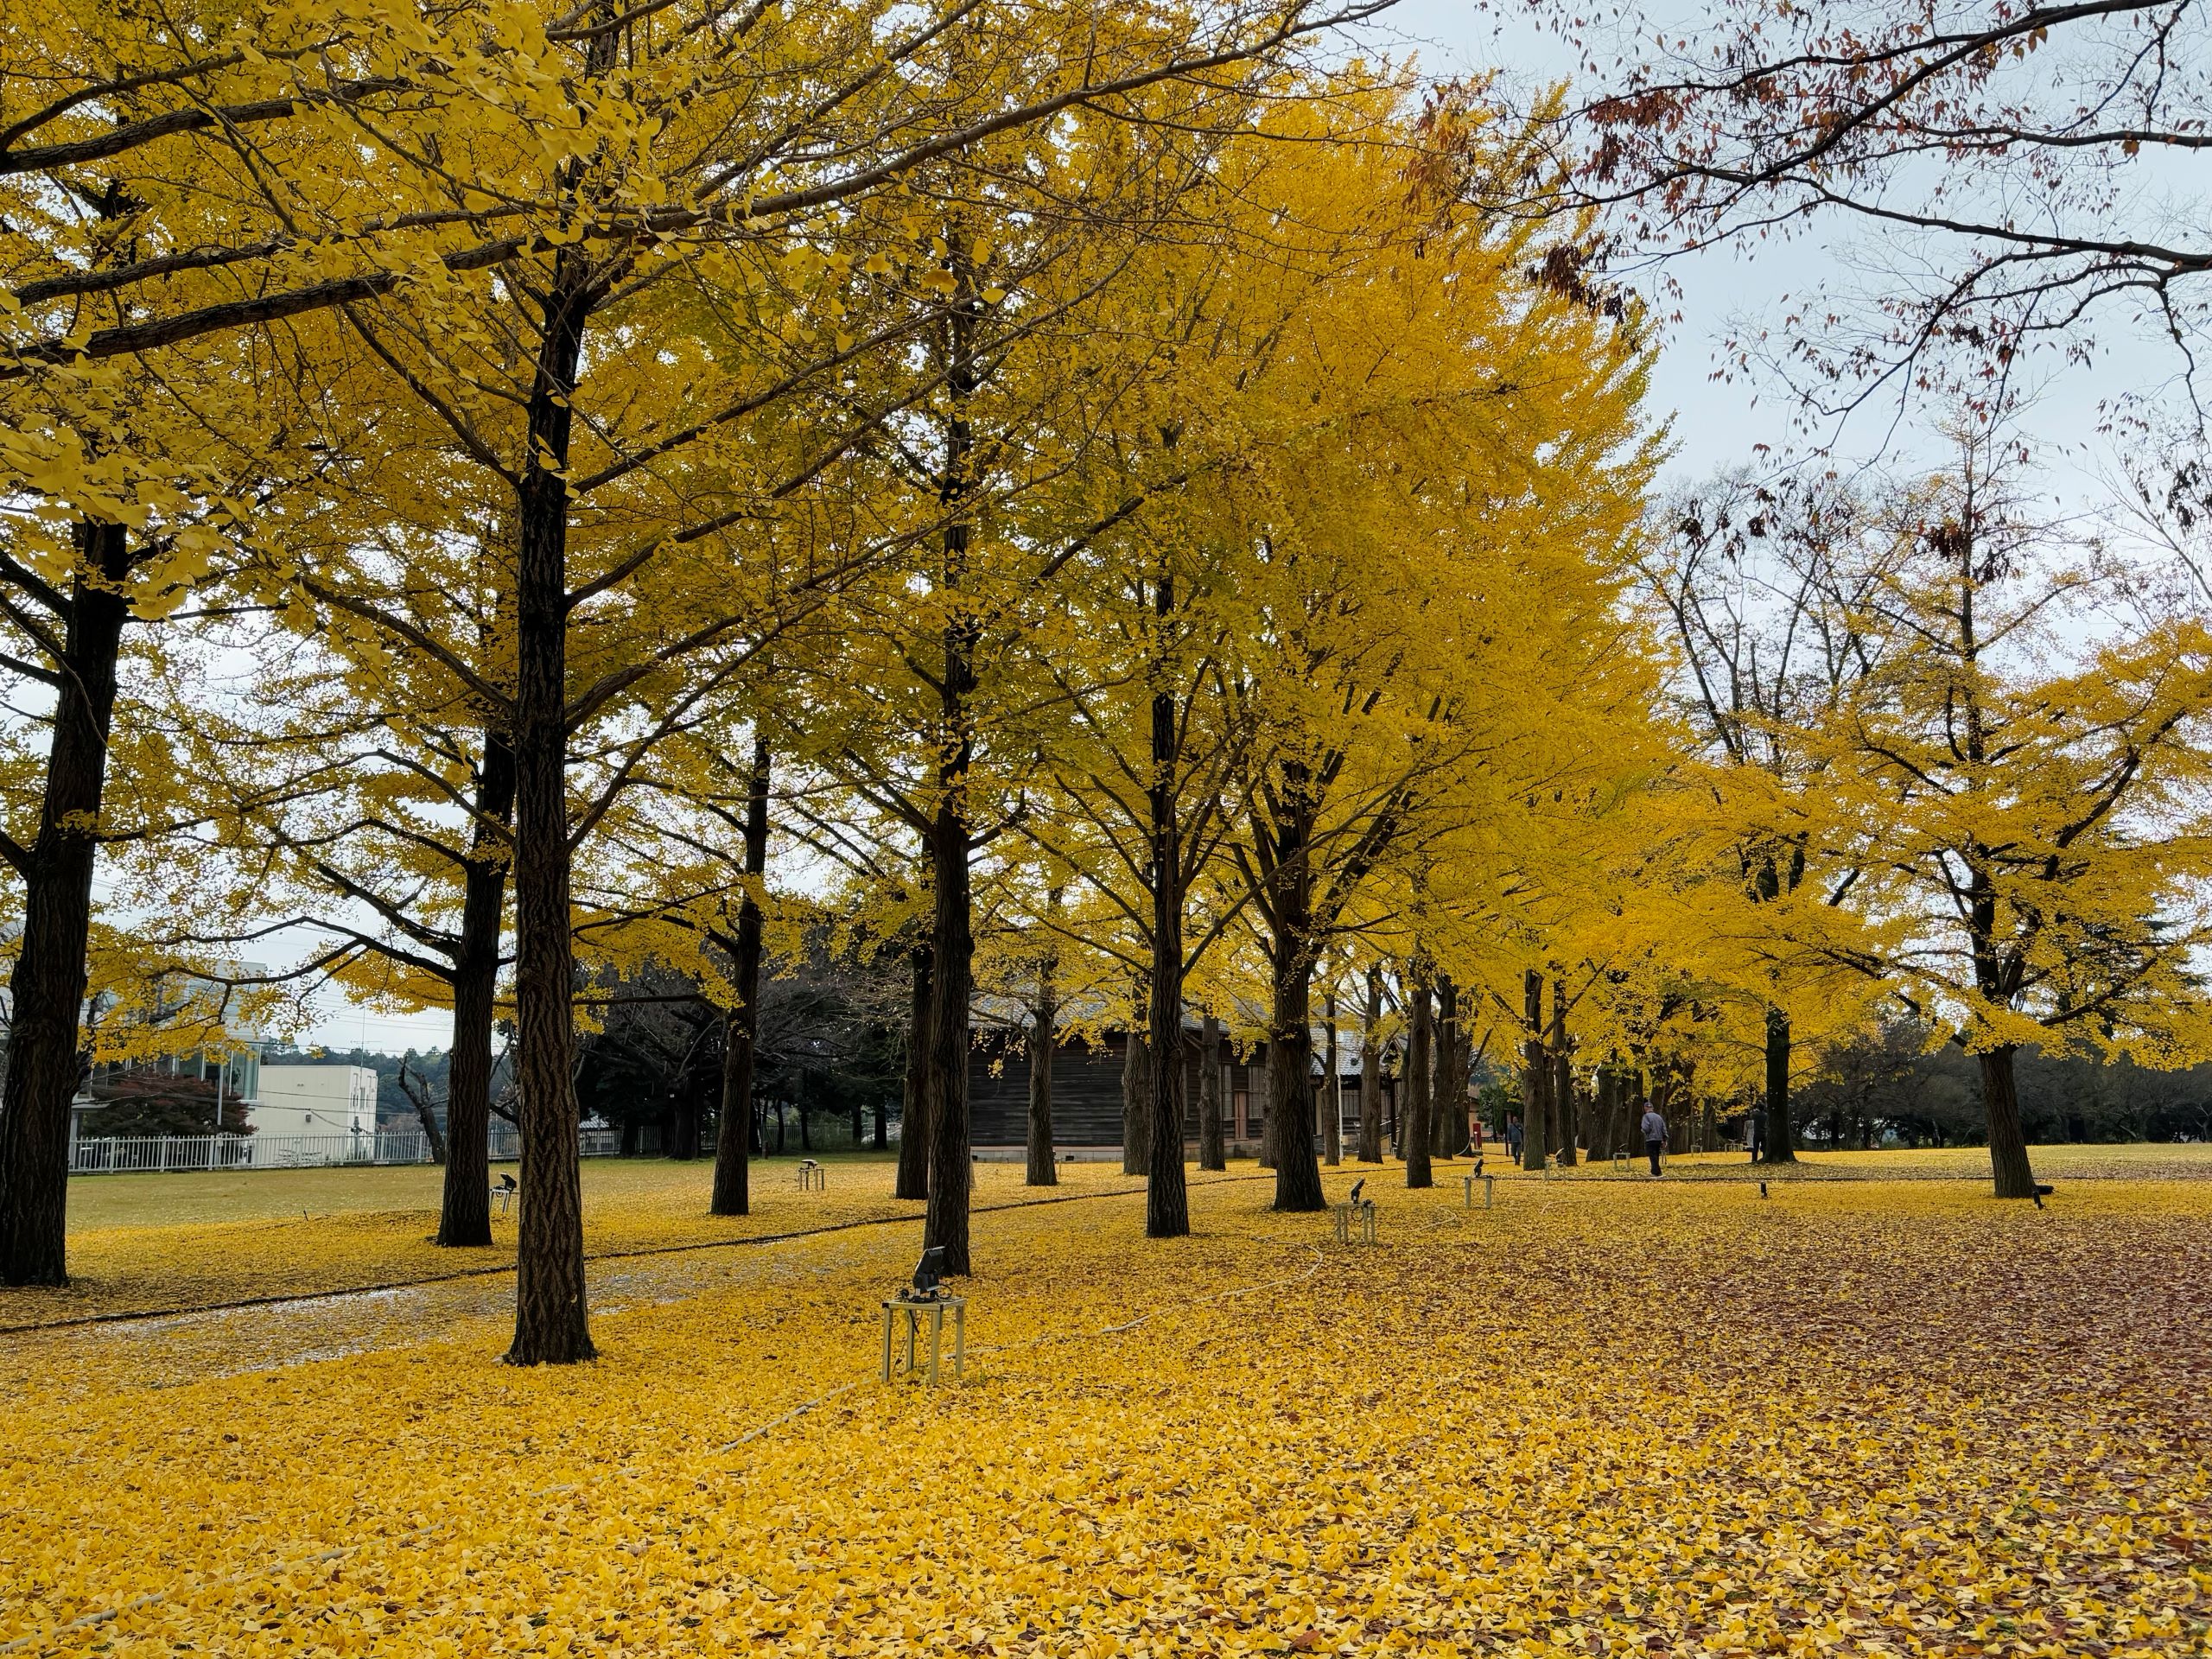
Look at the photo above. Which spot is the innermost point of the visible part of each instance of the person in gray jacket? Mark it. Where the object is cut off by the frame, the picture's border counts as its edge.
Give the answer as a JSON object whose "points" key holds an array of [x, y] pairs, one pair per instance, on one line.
{"points": [[1655, 1136]]}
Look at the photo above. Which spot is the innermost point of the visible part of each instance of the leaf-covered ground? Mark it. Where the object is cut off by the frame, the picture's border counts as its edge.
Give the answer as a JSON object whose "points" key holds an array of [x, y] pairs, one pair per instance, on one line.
{"points": [[149, 1244], [1607, 1417]]}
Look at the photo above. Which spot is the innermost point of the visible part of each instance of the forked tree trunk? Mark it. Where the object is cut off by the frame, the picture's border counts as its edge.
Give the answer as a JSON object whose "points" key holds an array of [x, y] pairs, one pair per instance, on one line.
{"points": [[1370, 1072], [913, 1179], [1535, 1074], [1213, 1150], [552, 1324], [2008, 1142], [465, 1211], [1779, 1139], [1042, 1171], [733, 1193], [1420, 1097], [48, 989]]}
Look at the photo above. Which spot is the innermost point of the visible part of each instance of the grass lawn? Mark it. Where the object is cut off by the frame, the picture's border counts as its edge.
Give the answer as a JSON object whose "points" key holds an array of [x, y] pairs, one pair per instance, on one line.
{"points": [[140, 1243], [1606, 1417]]}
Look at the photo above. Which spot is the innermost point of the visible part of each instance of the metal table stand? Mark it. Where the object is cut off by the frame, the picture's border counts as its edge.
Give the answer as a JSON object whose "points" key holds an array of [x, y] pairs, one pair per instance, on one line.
{"points": [[913, 1312]]}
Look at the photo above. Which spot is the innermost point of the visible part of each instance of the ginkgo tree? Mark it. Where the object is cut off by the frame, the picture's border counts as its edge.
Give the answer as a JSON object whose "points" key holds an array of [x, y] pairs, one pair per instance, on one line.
{"points": [[2023, 777], [601, 157]]}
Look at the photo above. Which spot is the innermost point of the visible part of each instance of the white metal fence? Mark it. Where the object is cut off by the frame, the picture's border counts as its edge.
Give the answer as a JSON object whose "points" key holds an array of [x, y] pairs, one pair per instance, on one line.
{"points": [[141, 1154]]}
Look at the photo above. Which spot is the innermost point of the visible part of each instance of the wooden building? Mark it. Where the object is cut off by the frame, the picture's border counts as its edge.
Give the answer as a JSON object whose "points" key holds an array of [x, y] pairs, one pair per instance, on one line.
{"points": [[1087, 1095]]}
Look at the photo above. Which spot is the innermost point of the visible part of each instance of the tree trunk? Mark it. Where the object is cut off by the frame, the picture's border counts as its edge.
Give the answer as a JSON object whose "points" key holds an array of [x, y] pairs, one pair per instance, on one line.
{"points": [[1136, 1094], [1779, 1139], [552, 1325], [1042, 1172], [464, 1213], [1420, 1094], [1166, 1205], [1290, 1031], [1370, 1072], [1290, 1067], [913, 1179], [1332, 1102], [742, 1025], [1448, 1114], [1535, 1075], [2008, 1145], [882, 1136], [48, 989], [952, 950], [1213, 1152], [1567, 1128]]}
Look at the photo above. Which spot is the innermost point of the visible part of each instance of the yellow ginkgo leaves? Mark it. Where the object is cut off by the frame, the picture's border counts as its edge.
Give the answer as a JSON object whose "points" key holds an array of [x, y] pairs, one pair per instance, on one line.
{"points": [[1607, 1417]]}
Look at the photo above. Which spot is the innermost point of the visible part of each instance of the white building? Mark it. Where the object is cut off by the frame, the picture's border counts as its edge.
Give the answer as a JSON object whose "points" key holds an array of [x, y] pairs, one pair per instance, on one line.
{"points": [[317, 1100]]}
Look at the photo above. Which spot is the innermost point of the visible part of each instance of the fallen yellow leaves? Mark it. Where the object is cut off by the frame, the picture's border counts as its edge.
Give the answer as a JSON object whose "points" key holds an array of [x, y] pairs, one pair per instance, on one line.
{"points": [[275, 1233], [1605, 1418]]}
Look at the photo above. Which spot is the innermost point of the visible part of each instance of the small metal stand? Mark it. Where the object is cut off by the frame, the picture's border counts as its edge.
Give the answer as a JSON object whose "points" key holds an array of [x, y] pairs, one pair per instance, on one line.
{"points": [[913, 1310], [1620, 1163], [1358, 1218], [1490, 1189], [813, 1177]]}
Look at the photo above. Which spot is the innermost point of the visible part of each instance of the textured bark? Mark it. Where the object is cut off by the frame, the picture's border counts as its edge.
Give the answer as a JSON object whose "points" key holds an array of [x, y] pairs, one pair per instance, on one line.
{"points": [[1166, 1205], [1535, 1075], [1778, 1140], [742, 1025], [1370, 1072], [1136, 1099], [951, 1175], [2008, 1145], [1448, 1113], [48, 989], [1213, 1150], [913, 1180], [1043, 1038], [1332, 1101], [950, 838], [1605, 1115], [1290, 1071], [464, 1211], [1566, 1127], [551, 1319], [1268, 1128], [1421, 1101]]}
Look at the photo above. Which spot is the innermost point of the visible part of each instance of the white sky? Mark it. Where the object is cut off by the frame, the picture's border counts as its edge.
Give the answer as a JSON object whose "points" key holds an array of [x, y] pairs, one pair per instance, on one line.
{"points": [[1716, 421]]}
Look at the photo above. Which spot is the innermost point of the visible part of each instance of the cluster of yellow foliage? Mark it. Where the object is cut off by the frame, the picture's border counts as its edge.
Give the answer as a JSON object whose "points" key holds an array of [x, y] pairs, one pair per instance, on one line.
{"points": [[1607, 1417]]}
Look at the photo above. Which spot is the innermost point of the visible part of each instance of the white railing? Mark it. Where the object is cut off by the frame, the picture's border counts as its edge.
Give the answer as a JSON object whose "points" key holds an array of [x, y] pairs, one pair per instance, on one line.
{"points": [[143, 1154]]}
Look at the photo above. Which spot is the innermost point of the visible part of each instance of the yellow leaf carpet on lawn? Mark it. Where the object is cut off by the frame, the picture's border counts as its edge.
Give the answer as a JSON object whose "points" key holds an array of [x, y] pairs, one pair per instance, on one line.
{"points": [[263, 1233], [1606, 1417]]}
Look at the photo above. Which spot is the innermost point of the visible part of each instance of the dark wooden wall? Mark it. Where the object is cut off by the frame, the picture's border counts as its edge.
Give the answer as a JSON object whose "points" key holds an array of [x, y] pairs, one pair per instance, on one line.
{"points": [[1087, 1095]]}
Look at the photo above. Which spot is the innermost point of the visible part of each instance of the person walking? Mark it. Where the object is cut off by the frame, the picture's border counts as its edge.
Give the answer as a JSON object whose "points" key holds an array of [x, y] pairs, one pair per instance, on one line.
{"points": [[1655, 1136], [1513, 1135]]}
